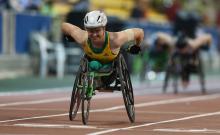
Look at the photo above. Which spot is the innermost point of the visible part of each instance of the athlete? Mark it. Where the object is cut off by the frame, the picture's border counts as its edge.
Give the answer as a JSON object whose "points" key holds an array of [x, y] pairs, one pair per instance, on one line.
{"points": [[155, 58], [102, 46], [187, 49], [185, 59]]}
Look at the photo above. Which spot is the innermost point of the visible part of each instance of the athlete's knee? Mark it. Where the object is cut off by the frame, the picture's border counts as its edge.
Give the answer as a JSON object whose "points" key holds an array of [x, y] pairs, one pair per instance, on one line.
{"points": [[95, 65]]}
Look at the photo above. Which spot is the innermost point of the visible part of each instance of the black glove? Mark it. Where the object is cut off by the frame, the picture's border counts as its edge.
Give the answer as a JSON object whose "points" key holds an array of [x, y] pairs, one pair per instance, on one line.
{"points": [[205, 47], [135, 49], [69, 38]]}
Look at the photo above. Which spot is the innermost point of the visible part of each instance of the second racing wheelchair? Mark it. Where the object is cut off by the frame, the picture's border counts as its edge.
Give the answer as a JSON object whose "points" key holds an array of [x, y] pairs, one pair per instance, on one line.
{"points": [[185, 61], [86, 82], [183, 66]]}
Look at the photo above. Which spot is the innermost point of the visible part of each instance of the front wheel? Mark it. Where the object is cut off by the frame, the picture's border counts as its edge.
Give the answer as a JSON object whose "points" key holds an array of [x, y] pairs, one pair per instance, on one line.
{"points": [[76, 96], [201, 76], [127, 90], [85, 103]]}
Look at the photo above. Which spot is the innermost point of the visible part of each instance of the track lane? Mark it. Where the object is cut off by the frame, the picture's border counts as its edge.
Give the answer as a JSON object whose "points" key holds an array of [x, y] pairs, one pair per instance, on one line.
{"points": [[162, 113]]}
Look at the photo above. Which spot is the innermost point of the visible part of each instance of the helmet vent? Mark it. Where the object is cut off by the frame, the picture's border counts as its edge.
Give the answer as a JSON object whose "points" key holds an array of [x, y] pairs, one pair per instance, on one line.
{"points": [[87, 19], [98, 18], [95, 19]]}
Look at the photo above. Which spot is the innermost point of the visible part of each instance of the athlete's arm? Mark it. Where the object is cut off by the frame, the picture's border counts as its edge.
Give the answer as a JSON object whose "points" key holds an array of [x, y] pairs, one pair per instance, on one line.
{"points": [[165, 38], [75, 32], [201, 40], [138, 35], [135, 35]]}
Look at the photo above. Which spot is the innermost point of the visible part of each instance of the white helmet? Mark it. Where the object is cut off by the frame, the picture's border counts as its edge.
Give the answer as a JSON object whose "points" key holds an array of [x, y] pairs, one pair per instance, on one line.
{"points": [[94, 19]]}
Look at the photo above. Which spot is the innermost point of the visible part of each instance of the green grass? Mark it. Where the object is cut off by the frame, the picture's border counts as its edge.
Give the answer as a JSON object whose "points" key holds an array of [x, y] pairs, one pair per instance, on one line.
{"points": [[33, 83]]}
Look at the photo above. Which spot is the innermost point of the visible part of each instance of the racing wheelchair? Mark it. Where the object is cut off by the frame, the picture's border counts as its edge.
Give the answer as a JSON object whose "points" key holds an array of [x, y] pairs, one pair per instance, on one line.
{"points": [[86, 82], [181, 65]]}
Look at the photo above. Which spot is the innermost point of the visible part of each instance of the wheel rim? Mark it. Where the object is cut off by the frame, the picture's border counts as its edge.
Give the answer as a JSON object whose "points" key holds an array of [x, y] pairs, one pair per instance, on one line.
{"points": [[127, 90], [85, 105], [75, 103], [75, 98]]}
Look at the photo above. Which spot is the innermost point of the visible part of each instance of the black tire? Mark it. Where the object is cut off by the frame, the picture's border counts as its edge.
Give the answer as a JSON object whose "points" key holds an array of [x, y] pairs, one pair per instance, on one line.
{"points": [[175, 84], [85, 103], [76, 96], [127, 89], [176, 71], [176, 74], [166, 80], [201, 76]]}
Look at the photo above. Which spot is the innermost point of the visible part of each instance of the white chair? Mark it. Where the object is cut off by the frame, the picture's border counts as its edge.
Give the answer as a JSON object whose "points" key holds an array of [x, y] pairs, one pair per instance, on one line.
{"points": [[48, 52]]}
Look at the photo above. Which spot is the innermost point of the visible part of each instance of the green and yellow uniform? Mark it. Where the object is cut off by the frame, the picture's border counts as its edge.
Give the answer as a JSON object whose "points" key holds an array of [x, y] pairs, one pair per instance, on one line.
{"points": [[101, 57]]}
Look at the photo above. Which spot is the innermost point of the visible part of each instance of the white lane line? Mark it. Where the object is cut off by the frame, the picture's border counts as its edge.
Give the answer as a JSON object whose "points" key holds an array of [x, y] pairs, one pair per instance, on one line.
{"points": [[31, 118], [35, 102], [167, 112], [37, 91], [21, 134], [35, 109], [203, 131], [38, 125], [42, 101], [137, 105], [180, 100], [162, 102], [155, 123]]}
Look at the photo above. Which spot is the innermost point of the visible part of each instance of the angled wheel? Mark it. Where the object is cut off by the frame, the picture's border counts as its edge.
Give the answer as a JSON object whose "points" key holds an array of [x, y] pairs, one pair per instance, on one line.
{"points": [[176, 74], [176, 70], [175, 84], [76, 96], [166, 79], [201, 76], [85, 102], [127, 89]]}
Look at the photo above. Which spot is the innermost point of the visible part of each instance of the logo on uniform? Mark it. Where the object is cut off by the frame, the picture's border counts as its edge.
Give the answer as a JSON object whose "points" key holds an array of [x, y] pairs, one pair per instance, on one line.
{"points": [[106, 54]]}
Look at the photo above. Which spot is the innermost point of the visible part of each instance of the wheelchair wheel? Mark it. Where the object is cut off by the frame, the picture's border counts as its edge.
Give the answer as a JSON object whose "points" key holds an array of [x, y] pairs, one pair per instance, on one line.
{"points": [[76, 96], [201, 76], [85, 102], [175, 84], [166, 80], [127, 89], [172, 71]]}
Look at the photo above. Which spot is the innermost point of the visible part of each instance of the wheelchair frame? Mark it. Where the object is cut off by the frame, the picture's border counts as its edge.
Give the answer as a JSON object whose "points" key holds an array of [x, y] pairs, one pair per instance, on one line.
{"points": [[175, 67], [83, 88]]}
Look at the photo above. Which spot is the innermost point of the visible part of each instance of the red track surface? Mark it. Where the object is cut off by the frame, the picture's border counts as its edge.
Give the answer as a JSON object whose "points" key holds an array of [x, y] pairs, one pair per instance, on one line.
{"points": [[188, 113]]}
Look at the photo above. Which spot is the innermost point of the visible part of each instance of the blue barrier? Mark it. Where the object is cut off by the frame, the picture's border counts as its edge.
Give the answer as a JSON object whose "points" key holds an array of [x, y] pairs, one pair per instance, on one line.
{"points": [[25, 24], [215, 36], [1, 31], [150, 28]]}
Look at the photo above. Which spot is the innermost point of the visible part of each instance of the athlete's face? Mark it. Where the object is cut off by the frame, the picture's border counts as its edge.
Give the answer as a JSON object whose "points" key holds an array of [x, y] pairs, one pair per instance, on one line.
{"points": [[96, 34]]}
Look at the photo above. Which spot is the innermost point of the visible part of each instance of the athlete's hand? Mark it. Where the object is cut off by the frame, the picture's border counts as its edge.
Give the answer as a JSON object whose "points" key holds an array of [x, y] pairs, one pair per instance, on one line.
{"points": [[135, 49], [205, 47]]}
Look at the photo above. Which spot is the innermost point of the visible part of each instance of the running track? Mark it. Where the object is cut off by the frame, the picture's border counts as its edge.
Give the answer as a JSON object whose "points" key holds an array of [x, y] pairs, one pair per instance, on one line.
{"points": [[46, 112]]}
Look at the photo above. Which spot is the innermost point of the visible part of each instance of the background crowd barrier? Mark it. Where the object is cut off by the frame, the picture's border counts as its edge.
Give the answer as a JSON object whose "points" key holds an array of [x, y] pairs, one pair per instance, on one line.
{"points": [[22, 25], [25, 24], [1, 33]]}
